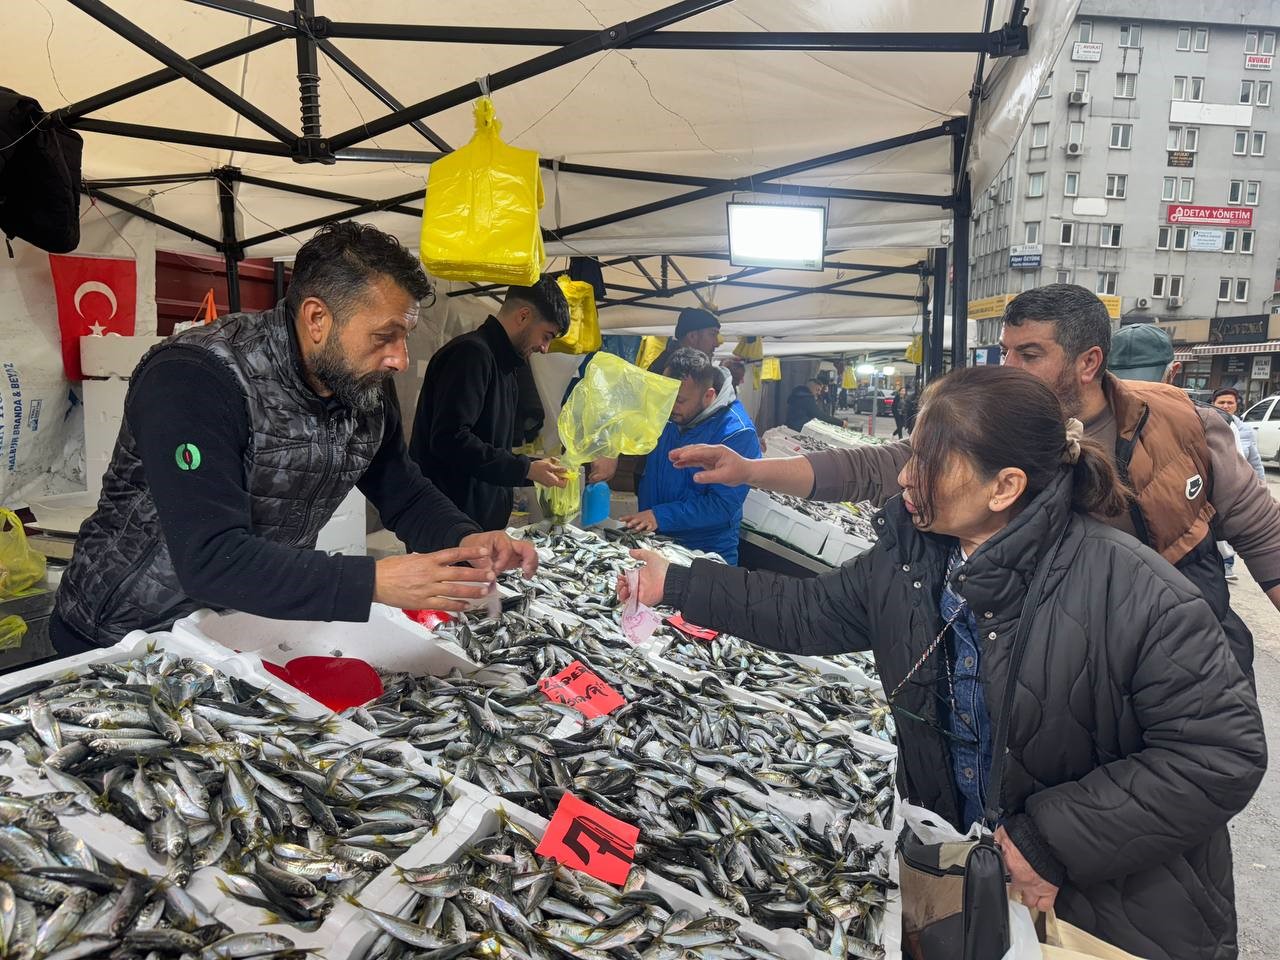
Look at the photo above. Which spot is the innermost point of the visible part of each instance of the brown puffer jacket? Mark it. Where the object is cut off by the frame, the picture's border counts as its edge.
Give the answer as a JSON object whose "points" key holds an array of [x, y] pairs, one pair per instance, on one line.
{"points": [[1134, 736]]}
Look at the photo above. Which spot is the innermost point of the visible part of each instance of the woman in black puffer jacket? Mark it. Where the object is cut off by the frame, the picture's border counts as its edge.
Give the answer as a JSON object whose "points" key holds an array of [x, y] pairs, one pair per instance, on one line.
{"points": [[1133, 735]]}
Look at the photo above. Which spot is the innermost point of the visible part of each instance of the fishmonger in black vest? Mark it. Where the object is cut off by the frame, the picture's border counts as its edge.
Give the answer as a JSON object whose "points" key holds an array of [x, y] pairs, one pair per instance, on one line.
{"points": [[241, 438]]}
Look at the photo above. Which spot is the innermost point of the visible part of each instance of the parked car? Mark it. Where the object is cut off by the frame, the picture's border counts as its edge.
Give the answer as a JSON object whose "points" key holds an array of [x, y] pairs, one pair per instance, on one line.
{"points": [[1198, 395], [1264, 417], [883, 400]]}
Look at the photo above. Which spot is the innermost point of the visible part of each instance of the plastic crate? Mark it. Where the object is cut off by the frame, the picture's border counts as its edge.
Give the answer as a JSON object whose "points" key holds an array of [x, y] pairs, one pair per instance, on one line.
{"points": [[841, 547], [771, 518]]}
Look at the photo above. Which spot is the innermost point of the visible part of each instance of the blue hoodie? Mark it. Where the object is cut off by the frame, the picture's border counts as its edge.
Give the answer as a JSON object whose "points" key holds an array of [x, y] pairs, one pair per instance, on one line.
{"points": [[700, 516]]}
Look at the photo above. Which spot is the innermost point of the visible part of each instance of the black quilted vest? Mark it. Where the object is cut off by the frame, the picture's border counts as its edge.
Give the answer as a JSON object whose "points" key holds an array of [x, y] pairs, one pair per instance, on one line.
{"points": [[300, 463]]}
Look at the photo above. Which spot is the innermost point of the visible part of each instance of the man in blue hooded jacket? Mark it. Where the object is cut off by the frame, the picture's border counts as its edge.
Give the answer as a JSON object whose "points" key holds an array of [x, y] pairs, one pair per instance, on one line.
{"points": [[707, 410]]}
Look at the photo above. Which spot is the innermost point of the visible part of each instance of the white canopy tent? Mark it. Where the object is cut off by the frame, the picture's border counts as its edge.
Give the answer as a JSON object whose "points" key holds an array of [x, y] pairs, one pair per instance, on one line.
{"points": [[648, 120]]}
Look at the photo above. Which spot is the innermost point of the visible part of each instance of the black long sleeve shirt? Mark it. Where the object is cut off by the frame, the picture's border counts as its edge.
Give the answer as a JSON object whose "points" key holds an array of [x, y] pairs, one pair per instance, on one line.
{"points": [[184, 397]]}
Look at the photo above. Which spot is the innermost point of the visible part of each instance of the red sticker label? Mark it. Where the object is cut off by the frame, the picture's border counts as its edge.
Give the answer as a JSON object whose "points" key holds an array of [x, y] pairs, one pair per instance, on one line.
{"points": [[428, 618], [581, 689], [698, 633], [585, 838]]}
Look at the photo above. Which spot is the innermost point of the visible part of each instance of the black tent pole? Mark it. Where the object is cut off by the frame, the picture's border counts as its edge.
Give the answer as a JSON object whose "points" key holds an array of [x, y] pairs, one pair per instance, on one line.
{"points": [[231, 249]]}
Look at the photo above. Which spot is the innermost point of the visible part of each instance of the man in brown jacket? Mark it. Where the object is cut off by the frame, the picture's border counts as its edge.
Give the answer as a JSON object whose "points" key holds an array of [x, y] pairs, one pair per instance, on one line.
{"points": [[1191, 485]]}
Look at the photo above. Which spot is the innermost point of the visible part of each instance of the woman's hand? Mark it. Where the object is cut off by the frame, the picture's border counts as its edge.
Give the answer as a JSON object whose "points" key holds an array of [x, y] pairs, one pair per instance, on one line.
{"points": [[1032, 889], [653, 578]]}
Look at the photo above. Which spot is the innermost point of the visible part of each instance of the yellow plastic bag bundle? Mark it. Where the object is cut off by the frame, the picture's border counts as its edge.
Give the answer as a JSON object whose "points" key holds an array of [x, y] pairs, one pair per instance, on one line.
{"points": [[770, 369], [650, 350], [848, 381], [20, 566], [915, 351], [480, 221], [616, 408], [584, 323]]}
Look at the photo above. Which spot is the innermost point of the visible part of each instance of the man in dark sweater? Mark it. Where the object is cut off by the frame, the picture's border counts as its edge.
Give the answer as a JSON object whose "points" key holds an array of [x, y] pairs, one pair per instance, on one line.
{"points": [[467, 411], [239, 440]]}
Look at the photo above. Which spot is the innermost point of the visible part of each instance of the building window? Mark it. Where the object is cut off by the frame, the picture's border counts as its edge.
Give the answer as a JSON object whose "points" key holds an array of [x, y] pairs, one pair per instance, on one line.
{"points": [[1229, 242], [1032, 234], [1246, 241], [1066, 233], [1196, 90], [1242, 143], [1107, 283], [1236, 193], [1175, 286], [1184, 138], [1126, 85], [1184, 38], [1255, 42], [1170, 189], [1252, 191], [1246, 91], [1039, 135], [1030, 279], [1035, 185], [1110, 235], [1251, 41], [1162, 238], [1075, 131], [1224, 289], [1117, 185], [1157, 286], [1047, 89], [1130, 35], [1179, 238], [1186, 189], [1081, 81], [1121, 136], [1263, 96], [1258, 143], [1084, 31], [1202, 40], [1063, 276], [1179, 88], [1071, 185], [1242, 290]]}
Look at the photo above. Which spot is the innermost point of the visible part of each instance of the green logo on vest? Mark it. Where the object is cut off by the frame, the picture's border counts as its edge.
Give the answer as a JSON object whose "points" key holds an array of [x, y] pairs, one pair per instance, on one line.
{"points": [[187, 456]]}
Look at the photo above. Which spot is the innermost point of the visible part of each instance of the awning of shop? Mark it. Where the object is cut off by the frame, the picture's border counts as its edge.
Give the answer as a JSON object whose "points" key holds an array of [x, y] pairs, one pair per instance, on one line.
{"points": [[1224, 349], [1184, 356]]}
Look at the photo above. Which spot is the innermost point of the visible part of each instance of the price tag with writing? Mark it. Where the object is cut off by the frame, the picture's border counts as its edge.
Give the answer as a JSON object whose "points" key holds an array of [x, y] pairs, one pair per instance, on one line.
{"points": [[585, 838], [698, 633], [581, 689]]}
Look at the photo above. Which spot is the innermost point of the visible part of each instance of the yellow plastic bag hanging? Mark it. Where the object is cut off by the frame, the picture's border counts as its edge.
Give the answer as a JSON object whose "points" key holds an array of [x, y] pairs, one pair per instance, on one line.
{"points": [[770, 369], [480, 220], [915, 352], [616, 408], [584, 323], [848, 381], [650, 350], [20, 566]]}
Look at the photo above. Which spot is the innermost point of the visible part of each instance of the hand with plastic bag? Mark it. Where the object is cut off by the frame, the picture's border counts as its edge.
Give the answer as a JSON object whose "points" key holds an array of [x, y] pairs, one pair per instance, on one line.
{"points": [[20, 566], [616, 408], [480, 219]]}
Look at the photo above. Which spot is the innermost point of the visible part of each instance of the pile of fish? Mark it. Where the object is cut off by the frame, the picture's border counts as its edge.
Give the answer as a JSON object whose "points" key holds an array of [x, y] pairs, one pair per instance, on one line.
{"points": [[853, 519], [59, 902], [843, 435], [500, 899], [213, 770]]}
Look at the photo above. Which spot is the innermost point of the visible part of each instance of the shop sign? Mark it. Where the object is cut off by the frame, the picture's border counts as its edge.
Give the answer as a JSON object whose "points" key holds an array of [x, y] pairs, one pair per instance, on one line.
{"points": [[1086, 52], [1205, 240], [989, 307], [585, 838], [1250, 329], [1256, 61], [986, 356], [1181, 158], [1209, 216], [1234, 365], [1261, 368], [1112, 303], [1025, 256]]}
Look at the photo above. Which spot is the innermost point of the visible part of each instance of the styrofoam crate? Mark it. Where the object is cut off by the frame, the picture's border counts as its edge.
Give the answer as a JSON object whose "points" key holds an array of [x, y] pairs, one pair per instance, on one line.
{"points": [[771, 518], [113, 355], [836, 436], [781, 442], [842, 547], [849, 671]]}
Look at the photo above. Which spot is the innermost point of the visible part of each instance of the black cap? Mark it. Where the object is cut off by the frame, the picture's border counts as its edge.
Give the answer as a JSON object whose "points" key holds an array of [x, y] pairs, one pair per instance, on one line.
{"points": [[695, 318], [547, 298]]}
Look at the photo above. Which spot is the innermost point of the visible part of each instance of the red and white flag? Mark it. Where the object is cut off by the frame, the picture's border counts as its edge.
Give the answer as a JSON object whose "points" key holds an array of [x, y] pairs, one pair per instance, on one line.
{"points": [[96, 295]]}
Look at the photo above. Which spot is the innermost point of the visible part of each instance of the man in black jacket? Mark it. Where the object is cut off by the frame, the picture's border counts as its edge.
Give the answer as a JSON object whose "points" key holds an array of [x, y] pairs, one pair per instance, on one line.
{"points": [[467, 410], [803, 406]]}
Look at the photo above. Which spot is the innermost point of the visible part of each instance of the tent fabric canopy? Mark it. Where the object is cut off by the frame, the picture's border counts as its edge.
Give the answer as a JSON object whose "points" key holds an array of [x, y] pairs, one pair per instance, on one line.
{"points": [[633, 118]]}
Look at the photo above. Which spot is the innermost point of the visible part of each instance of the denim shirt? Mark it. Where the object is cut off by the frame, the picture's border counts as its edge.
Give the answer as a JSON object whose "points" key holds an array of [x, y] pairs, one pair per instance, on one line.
{"points": [[969, 720]]}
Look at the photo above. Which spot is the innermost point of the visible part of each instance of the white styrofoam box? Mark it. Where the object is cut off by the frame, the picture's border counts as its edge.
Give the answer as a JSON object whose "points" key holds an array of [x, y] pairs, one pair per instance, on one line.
{"points": [[345, 531], [781, 442], [113, 355], [842, 547], [837, 436], [63, 512], [388, 640], [103, 412], [849, 671], [761, 512]]}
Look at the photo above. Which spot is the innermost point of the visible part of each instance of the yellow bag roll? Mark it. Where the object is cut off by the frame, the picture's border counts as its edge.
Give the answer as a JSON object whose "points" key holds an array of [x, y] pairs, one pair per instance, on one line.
{"points": [[20, 566], [770, 369], [915, 352], [584, 323], [480, 220], [749, 348], [650, 350]]}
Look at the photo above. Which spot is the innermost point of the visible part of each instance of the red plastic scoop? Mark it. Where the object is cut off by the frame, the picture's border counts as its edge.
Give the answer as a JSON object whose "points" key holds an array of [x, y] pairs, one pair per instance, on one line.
{"points": [[337, 682]]}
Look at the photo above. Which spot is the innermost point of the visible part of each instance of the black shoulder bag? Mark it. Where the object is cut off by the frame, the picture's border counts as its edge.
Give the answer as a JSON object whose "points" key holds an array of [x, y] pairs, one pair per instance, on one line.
{"points": [[955, 901]]}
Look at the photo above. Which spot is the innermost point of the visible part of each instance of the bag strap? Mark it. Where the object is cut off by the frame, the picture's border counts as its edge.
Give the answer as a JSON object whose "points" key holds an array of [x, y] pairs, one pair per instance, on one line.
{"points": [[999, 744]]}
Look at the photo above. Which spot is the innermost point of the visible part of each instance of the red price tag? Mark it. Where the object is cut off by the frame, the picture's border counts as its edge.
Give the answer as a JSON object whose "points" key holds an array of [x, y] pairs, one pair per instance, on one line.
{"points": [[581, 689], [428, 618], [587, 839], [698, 633]]}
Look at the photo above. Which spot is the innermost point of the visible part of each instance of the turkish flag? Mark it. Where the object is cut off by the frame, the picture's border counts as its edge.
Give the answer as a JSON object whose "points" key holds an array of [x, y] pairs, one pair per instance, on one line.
{"points": [[96, 295]]}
